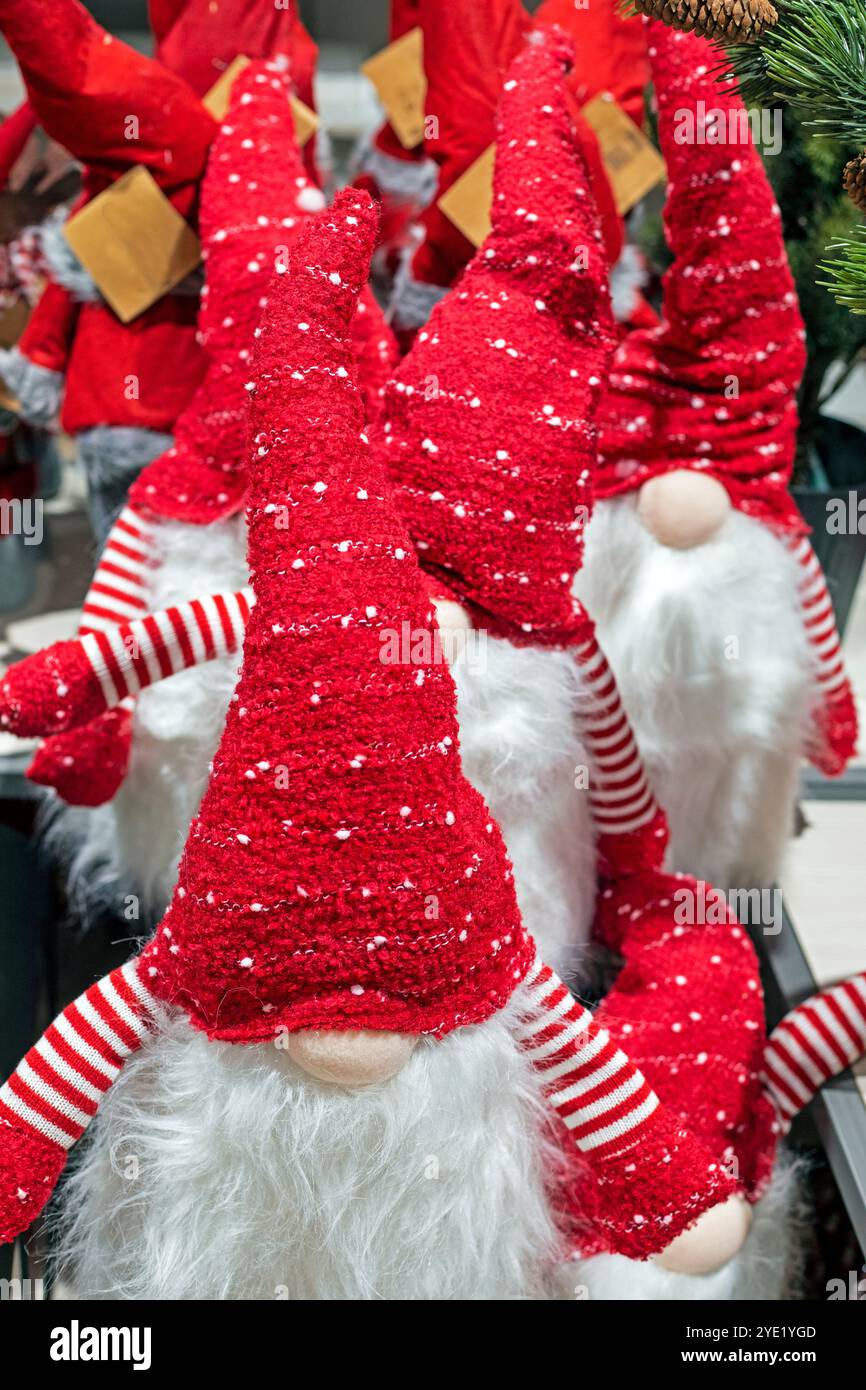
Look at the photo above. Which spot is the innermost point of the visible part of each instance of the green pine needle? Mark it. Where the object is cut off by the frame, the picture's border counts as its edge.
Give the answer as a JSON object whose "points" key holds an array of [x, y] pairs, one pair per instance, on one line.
{"points": [[814, 59], [847, 271]]}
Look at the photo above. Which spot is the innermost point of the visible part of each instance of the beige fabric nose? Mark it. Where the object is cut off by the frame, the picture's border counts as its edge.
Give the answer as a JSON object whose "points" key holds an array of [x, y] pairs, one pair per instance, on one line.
{"points": [[454, 624], [715, 1238], [351, 1058], [683, 509]]}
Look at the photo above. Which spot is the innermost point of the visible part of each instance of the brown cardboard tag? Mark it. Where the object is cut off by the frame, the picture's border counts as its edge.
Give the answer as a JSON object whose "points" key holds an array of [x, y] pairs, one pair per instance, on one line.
{"points": [[469, 199], [633, 164], [135, 245], [306, 120], [217, 101], [397, 73]]}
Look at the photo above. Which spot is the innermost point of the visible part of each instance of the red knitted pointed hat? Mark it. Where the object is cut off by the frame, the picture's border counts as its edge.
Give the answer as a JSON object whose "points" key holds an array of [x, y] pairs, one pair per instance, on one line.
{"points": [[489, 422], [85, 85], [341, 872], [713, 388], [255, 197], [198, 39], [468, 50]]}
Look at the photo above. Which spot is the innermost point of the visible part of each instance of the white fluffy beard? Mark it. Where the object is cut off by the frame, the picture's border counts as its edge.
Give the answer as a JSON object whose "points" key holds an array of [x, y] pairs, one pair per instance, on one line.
{"points": [[132, 844], [217, 1171], [721, 735], [221, 1171], [518, 734]]}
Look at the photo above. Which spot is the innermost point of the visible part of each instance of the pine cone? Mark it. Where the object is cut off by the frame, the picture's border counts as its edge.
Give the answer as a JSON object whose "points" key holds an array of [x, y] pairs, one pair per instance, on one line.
{"points": [[734, 21], [854, 180]]}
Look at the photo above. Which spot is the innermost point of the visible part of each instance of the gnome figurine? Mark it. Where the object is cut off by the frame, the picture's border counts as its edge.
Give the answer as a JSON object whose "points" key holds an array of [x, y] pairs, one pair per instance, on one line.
{"points": [[708, 597], [340, 1069], [140, 769], [122, 386]]}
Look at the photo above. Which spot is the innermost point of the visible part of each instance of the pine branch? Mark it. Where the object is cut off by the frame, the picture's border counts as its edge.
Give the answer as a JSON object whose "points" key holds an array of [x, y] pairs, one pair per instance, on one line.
{"points": [[847, 271], [814, 59]]}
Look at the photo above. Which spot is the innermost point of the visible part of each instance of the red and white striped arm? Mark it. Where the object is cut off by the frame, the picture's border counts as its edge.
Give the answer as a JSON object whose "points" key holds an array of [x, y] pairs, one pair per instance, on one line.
{"points": [[54, 1093], [72, 683], [813, 1043], [118, 590], [642, 1177], [630, 824], [603, 1100], [90, 770], [833, 738]]}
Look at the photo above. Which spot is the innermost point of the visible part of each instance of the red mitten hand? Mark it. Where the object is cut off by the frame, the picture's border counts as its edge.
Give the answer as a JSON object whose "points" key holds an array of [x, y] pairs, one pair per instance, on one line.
{"points": [[688, 1008], [55, 690], [29, 1168], [87, 766], [636, 1205], [833, 742]]}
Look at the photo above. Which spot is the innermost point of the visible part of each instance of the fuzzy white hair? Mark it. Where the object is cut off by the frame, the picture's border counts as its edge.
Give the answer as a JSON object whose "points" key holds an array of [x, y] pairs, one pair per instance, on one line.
{"points": [[711, 656], [133, 844], [767, 1268], [221, 1171], [521, 749]]}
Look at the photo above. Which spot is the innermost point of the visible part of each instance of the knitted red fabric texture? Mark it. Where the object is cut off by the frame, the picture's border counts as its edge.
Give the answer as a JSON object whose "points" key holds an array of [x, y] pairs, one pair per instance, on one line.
{"points": [[39, 694], [637, 1205], [689, 1010], [375, 350], [87, 766], [14, 134], [488, 429], [85, 84], [28, 1175], [341, 872], [713, 388], [255, 197]]}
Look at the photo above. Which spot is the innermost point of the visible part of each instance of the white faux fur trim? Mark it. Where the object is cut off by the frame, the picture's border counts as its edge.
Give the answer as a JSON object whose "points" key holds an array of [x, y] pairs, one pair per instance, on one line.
{"points": [[518, 734], [627, 277], [108, 451], [65, 266], [711, 657], [220, 1171], [412, 301], [766, 1269], [38, 390], [413, 180]]}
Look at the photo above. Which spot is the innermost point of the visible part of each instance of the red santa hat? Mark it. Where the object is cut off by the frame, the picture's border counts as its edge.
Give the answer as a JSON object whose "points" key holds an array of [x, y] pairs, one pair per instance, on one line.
{"points": [[713, 388], [341, 872], [14, 134], [255, 198], [609, 51], [468, 50], [85, 86], [489, 429], [199, 39]]}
